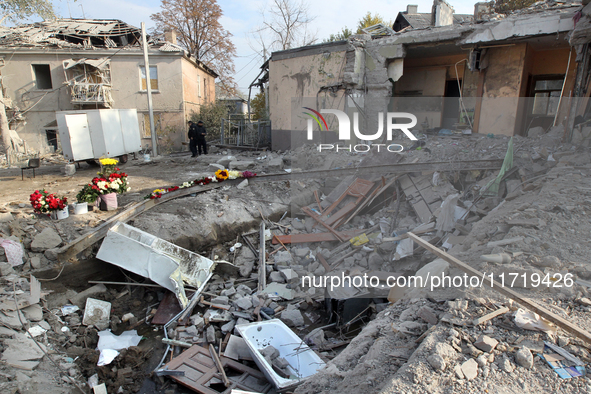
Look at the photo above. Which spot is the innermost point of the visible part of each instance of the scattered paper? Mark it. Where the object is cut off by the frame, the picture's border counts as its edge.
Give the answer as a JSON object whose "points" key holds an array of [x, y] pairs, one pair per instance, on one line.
{"points": [[532, 321], [69, 309], [109, 344], [13, 250]]}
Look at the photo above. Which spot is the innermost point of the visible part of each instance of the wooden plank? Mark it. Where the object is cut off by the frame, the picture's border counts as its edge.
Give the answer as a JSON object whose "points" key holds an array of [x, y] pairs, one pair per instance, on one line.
{"points": [[340, 214], [502, 310], [316, 217], [526, 302], [323, 262], [358, 189], [315, 237], [219, 365], [377, 192], [84, 241], [318, 201]]}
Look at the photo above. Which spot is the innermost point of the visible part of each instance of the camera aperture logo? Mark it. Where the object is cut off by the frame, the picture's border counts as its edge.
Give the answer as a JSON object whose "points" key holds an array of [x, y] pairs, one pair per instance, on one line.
{"points": [[345, 130]]}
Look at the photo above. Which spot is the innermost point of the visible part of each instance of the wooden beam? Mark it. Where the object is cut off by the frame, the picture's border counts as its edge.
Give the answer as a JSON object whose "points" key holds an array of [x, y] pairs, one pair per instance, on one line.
{"points": [[85, 241], [323, 262], [316, 217], [526, 302], [502, 310], [218, 364]]}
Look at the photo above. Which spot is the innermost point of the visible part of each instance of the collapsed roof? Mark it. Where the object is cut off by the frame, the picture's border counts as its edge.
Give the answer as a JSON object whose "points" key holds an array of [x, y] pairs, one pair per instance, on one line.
{"points": [[68, 33]]}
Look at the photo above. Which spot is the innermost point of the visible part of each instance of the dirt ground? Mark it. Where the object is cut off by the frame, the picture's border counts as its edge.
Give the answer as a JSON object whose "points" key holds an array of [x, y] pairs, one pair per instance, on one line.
{"points": [[424, 342]]}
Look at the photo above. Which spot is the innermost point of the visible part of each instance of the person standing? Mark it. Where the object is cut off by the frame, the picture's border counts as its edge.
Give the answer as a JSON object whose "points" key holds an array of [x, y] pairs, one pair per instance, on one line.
{"points": [[201, 143], [193, 137]]}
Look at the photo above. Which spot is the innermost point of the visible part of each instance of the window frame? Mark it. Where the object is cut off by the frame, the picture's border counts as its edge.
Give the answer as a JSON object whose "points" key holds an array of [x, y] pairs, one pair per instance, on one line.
{"points": [[36, 80], [143, 67]]}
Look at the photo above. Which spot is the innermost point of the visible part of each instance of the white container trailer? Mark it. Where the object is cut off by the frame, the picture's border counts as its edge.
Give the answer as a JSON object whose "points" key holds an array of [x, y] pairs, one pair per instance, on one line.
{"points": [[92, 134]]}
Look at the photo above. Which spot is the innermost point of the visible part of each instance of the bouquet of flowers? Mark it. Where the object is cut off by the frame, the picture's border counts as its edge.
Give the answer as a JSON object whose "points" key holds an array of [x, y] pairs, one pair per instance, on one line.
{"points": [[87, 194], [108, 166], [109, 180], [45, 202], [115, 182]]}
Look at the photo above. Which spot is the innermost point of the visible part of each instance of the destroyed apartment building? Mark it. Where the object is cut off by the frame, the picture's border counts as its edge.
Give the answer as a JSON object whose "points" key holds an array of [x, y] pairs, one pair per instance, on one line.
{"points": [[488, 73], [459, 264], [88, 64]]}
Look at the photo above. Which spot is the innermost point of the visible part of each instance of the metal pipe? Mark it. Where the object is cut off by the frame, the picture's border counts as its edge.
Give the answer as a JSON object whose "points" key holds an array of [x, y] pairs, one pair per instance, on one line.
{"points": [[149, 90]]}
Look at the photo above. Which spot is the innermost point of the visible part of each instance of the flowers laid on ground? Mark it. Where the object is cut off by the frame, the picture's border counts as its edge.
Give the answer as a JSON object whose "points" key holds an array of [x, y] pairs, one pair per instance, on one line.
{"points": [[45, 202], [87, 194], [219, 176], [109, 180], [108, 166]]}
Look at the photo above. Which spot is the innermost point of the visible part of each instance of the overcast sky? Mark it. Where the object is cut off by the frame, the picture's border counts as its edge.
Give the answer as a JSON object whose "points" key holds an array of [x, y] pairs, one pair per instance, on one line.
{"points": [[241, 17]]}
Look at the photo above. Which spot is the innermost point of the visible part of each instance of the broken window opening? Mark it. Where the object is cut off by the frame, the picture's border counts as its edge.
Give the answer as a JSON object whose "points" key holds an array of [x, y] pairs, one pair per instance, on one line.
{"points": [[42, 76], [89, 81], [52, 138], [544, 96], [153, 78]]}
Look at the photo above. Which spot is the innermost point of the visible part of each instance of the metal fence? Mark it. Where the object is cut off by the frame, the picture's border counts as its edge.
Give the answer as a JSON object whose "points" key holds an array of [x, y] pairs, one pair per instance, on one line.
{"points": [[241, 132]]}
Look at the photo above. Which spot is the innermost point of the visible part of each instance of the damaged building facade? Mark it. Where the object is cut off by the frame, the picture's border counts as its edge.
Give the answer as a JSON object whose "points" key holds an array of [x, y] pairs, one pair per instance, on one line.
{"points": [[79, 64], [487, 72]]}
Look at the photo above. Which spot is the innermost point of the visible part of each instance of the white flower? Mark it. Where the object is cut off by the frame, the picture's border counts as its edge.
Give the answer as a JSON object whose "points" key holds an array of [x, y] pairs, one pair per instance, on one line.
{"points": [[129, 188], [114, 185], [102, 185]]}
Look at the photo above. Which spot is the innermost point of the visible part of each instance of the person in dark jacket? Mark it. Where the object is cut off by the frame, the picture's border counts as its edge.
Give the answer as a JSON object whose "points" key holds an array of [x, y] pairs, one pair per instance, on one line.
{"points": [[201, 143], [193, 136]]}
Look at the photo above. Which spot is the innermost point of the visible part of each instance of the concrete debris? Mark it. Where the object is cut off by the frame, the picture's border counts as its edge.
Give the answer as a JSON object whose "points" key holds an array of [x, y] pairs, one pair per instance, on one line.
{"points": [[470, 369], [524, 358], [486, 343], [293, 318], [46, 239]]}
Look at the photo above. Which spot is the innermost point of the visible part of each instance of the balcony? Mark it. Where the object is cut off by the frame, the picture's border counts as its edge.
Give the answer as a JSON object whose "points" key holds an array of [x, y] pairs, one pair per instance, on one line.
{"points": [[90, 93]]}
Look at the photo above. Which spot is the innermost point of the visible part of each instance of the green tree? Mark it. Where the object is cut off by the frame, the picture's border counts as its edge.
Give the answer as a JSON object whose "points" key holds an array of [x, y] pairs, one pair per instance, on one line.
{"points": [[258, 106], [370, 20], [508, 6], [14, 11], [342, 35], [211, 114]]}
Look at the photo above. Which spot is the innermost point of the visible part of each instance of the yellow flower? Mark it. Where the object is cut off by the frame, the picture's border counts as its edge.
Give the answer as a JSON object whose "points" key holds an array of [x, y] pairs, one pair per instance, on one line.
{"points": [[158, 191], [109, 162], [221, 174]]}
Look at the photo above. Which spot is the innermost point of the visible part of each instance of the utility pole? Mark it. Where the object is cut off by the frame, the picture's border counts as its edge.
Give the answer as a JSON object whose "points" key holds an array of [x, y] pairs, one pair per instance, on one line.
{"points": [[149, 90]]}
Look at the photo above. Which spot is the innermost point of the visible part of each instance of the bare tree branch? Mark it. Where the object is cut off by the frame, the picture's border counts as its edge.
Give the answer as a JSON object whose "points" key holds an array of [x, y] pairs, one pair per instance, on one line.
{"points": [[197, 23], [284, 26]]}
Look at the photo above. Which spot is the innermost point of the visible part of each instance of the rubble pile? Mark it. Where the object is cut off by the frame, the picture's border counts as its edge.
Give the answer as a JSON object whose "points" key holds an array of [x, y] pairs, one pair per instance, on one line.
{"points": [[277, 245]]}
